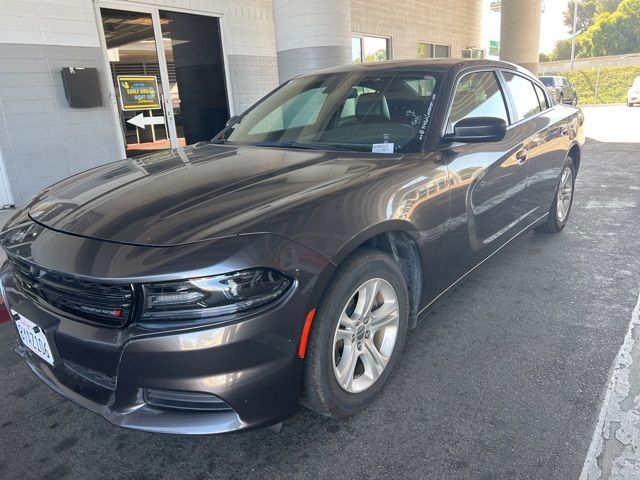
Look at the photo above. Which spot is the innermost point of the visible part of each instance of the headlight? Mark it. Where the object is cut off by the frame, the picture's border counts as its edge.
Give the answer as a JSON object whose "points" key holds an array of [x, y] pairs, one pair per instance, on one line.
{"points": [[213, 296]]}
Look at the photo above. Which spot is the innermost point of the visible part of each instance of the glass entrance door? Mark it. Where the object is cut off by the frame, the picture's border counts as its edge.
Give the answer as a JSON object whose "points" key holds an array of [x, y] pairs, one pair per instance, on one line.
{"points": [[168, 76]]}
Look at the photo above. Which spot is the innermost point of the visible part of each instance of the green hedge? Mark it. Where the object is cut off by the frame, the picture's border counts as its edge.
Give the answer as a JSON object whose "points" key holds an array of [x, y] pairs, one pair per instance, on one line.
{"points": [[612, 84]]}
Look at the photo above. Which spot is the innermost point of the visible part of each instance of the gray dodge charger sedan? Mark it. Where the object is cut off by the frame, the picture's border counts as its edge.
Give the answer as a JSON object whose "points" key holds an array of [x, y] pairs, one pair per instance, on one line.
{"points": [[217, 287]]}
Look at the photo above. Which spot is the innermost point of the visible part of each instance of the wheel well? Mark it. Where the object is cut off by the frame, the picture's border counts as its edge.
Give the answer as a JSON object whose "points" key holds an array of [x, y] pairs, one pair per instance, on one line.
{"points": [[403, 249], [574, 153]]}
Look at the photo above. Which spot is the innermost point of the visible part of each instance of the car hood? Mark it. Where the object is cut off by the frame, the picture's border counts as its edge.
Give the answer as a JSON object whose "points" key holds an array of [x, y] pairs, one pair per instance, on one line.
{"points": [[197, 193]]}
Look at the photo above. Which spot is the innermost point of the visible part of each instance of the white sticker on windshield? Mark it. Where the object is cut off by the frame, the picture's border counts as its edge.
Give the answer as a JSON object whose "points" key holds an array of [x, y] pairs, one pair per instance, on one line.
{"points": [[382, 148]]}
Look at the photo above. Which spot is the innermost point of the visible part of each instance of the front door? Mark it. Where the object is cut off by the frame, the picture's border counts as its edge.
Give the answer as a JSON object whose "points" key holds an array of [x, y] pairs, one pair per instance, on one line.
{"points": [[168, 76], [488, 180]]}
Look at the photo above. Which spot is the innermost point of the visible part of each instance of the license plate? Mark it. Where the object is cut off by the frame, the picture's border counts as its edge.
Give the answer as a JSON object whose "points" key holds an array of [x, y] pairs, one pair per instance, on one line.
{"points": [[33, 337]]}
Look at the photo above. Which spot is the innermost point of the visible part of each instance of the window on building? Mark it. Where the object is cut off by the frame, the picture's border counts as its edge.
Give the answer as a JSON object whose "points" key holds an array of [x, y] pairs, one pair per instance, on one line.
{"points": [[473, 53], [365, 49], [433, 50], [523, 94], [356, 50], [477, 95]]}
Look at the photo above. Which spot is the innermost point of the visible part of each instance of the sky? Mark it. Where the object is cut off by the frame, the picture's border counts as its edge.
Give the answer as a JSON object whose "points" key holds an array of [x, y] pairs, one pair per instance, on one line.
{"points": [[552, 27]]}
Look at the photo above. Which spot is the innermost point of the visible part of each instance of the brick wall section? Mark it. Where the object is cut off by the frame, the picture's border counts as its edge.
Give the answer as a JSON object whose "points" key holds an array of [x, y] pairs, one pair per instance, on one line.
{"points": [[42, 139], [457, 23]]}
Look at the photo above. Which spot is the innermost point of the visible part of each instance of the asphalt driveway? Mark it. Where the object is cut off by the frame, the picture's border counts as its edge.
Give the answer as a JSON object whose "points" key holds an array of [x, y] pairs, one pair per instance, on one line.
{"points": [[504, 379]]}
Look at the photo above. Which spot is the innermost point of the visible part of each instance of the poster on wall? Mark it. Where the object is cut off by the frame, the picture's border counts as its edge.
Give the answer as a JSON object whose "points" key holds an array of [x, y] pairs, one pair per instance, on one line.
{"points": [[139, 92]]}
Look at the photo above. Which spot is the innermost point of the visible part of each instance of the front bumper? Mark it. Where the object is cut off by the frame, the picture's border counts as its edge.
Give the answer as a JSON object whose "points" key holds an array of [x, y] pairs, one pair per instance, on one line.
{"points": [[249, 363]]}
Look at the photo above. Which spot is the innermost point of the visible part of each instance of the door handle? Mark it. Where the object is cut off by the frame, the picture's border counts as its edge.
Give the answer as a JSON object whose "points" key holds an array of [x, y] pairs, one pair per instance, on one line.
{"points": [[521, 157]]}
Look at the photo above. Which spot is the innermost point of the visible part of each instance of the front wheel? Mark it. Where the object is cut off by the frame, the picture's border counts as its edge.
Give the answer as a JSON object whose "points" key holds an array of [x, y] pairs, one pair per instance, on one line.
{"points": [[357, 335], [575, 100], [562, 202]]}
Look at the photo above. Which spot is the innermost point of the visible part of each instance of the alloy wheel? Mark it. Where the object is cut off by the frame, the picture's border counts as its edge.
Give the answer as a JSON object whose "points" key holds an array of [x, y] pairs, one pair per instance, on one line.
{"points": [[565, 194], [365, 336]]}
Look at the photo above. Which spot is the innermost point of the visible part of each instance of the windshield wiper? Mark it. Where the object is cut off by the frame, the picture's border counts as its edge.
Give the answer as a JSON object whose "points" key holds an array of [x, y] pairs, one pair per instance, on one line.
{"points": [[306, 146]]}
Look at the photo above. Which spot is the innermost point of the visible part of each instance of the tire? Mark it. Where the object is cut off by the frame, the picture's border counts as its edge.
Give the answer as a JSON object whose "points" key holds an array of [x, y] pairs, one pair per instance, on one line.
{"points": [[555, 221], [328, 354], [575, 100]]}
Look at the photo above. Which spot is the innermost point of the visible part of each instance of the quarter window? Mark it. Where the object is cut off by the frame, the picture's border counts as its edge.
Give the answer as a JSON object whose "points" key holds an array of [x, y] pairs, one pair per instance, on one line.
{"points": [[477, 95], [523, 94]]}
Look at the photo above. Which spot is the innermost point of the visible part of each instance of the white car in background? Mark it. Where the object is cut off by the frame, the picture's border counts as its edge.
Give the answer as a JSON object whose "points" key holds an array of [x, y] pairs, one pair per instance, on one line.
{"points": [[633, 95]]}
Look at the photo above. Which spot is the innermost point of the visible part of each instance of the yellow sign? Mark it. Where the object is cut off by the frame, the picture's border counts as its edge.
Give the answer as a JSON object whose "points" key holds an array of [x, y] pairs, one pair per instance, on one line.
{"points": [[138, 92]]}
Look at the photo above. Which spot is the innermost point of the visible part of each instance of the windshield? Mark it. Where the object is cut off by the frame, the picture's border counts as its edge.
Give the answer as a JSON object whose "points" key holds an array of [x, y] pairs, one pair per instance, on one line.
{"points": [[385, 112], [548, 81]]}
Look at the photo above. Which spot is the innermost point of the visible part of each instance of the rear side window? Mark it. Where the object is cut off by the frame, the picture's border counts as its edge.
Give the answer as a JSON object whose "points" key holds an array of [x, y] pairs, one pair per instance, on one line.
{"points": [[542, 99], [523, 94], [477, 95]]}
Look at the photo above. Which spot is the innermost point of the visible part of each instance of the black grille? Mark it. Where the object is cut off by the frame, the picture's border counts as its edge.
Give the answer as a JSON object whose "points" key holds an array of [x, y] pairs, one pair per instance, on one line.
{"points": [[104, 304]]}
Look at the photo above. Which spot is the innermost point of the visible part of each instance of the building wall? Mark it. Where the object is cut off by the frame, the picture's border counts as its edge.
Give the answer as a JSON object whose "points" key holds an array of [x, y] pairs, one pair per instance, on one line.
{"points": [[43, 140], [457, 23]]}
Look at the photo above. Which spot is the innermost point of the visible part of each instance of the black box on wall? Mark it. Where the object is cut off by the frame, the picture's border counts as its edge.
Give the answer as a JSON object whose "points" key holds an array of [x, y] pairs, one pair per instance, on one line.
{"points": [[81, 86]]}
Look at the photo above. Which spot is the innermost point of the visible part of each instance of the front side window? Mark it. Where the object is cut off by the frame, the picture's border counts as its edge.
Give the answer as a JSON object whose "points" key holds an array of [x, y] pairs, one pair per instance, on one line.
{"points": [[343, 111], [523, 94], [477, 95]]}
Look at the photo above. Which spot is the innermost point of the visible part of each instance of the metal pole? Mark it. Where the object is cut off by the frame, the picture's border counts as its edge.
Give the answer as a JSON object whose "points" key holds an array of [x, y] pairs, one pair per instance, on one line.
{"points": [[573, 33]]}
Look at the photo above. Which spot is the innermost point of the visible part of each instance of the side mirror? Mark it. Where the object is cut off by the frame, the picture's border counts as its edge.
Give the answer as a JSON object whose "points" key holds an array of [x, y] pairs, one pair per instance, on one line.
{"points": [[478, 129]]}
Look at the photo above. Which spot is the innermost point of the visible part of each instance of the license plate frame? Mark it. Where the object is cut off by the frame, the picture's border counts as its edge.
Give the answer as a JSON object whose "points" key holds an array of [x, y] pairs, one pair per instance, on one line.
{"points": [[33, 337]]}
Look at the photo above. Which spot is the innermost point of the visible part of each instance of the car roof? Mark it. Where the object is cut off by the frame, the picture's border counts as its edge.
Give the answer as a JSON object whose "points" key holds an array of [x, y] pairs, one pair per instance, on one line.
{"points": [[437, 64]]}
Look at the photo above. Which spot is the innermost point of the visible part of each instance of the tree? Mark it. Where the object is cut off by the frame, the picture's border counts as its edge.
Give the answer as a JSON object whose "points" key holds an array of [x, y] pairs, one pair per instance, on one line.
{"points": [[562, 50], [613, 33], [587, 11], [543, 57], [608, 5]]}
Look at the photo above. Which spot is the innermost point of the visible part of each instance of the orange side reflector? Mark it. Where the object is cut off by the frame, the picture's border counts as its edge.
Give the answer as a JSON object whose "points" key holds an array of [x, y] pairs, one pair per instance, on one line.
{"points": [[305, 333]]}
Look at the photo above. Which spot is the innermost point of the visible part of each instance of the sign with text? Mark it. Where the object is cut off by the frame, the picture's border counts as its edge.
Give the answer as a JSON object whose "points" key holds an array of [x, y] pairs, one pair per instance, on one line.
{"points": [[494, 47], [138, 92]]}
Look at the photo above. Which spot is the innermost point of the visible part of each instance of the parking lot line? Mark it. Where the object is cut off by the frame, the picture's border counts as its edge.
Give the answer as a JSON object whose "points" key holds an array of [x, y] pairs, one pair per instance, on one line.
{"points": [[619, 421]]}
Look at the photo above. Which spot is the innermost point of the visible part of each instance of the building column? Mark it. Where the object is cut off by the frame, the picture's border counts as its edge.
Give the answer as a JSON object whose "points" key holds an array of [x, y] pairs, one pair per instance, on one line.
{"points": [[520, 32], [311, 35]]}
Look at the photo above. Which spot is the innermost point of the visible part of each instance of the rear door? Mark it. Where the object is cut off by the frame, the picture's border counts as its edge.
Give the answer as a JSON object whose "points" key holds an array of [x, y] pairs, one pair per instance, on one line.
{"points": [[541, 132]]}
